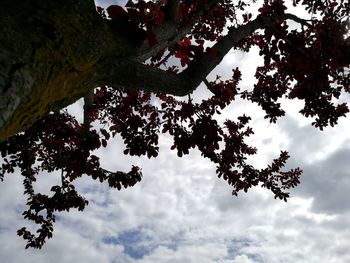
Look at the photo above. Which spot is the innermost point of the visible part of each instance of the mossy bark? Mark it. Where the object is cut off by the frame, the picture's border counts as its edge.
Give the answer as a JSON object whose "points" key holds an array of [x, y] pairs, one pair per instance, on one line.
{"points": [[48, 53]]}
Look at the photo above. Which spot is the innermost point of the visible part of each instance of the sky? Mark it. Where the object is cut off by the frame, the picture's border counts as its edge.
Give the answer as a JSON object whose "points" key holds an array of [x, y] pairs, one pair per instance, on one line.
{"points": [[181, 211]]}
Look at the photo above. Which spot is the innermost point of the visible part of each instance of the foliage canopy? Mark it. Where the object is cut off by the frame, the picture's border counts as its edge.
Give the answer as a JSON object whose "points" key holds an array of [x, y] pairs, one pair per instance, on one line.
{"points": [[305, 59]]}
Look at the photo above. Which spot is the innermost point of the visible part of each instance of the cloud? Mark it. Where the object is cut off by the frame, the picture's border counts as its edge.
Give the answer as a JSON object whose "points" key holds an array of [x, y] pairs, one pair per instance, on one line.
{"points": [[328, 181], [181, 211], [106, 3]]}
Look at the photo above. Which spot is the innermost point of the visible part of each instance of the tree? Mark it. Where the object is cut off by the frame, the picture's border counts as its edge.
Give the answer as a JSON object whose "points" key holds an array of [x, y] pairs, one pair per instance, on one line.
{"points": [[119, 60]]}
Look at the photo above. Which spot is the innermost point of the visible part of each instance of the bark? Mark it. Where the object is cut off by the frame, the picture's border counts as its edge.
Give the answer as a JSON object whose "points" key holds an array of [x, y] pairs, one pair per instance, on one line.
{"points": [[48, 51], [55, 52]]}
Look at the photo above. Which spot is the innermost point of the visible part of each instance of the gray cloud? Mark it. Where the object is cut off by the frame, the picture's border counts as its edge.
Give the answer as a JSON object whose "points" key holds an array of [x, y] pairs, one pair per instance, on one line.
{"points": [[328, 182]]}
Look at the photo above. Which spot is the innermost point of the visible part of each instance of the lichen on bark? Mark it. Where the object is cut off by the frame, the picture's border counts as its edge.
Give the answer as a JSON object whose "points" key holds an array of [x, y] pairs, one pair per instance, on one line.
{"points": [[48, 51]]}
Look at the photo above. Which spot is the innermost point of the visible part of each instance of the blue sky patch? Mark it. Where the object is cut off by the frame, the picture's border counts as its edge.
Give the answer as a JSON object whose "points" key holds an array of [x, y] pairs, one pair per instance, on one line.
{"points": [[136, 244]]}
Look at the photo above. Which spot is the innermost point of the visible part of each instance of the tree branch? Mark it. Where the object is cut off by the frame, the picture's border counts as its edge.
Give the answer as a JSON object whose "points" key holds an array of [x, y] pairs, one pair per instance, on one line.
{"points": [[131, 74], [205, 64], [297, 19], [171, 10], [88, 103], [169, 32]]}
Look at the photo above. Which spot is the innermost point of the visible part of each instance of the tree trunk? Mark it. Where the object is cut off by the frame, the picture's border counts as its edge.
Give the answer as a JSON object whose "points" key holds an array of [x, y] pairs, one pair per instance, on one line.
{"points": [[48, 50]]}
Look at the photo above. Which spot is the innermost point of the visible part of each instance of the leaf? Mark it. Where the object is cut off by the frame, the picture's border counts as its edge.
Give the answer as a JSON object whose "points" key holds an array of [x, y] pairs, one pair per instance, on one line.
{"points": [[181, 54], [186, 42], [181, 12], [117, 13], [104, 143], [159, 19]]}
